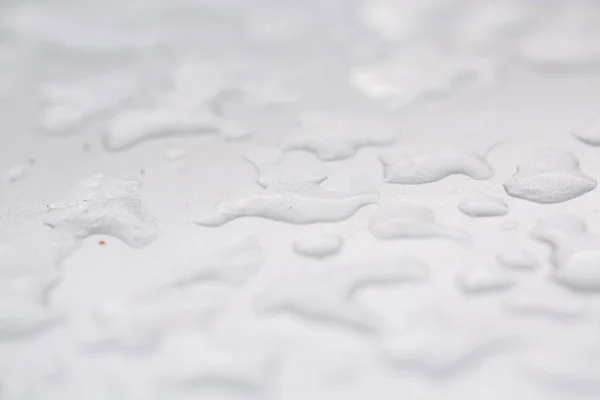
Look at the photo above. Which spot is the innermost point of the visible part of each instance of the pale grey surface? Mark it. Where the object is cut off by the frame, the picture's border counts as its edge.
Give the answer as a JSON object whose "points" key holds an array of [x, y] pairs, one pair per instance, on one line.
{"points": [[125, 123]]}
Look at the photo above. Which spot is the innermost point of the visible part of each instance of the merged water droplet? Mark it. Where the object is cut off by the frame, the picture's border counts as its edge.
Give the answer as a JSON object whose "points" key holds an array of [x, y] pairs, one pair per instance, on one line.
{"points": [[550, 178], [16, 173], [235, 264], [566, 368], [215, 362], [174, 154], [590, 134], [335, 137], [293, 208], [318, 246], [29, 269], [396, 20], [107, 206], [132, 127], [276, 170], [483, 206], [484, 279], [416, 166], [141, 323], [398, 222], [69, 105], [568, 38], [575, 251], [328, 296], [24, 319], [416, 72], [442, 346], [545, 301], [515, 259]]}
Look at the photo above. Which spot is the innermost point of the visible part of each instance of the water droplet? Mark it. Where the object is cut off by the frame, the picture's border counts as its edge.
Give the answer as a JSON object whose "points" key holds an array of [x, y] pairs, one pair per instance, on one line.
{"points": [[140, 323], [590, 134], [415, 222], [234, 264], [509, 225], [483, 206], [415, 166], [394, 20], [569, 368], [567, 39], [517, 260], [173, 154], [484, 279], [319, 246], [289, 207], [332, 137], [23, 319], [277, 170], [15, 173], [444, 345], [328, 295], [100, 205], [71, 104], [550, 178], [545, 301], [416, 72], [132, 127], [575, 251], [191, 360]]}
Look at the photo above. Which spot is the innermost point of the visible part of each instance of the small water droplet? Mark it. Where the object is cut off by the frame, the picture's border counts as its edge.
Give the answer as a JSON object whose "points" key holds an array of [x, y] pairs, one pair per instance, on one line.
{"points": [[483, 206], [16, 173], [318, 246]]}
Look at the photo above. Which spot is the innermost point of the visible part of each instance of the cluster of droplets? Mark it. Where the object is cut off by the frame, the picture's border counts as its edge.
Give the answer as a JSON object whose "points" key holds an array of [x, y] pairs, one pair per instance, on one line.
{"points": [[181, 324]]}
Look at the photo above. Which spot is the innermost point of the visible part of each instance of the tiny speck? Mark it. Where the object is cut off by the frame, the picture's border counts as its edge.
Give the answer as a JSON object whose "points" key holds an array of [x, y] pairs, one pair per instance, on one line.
{"points": [[102, 243], [142, 171], [87, 147], [31, 161]]}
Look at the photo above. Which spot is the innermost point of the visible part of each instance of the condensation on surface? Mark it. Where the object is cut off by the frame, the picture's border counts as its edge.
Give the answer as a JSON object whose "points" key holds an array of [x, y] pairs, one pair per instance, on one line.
{"points": [[291, 200]]}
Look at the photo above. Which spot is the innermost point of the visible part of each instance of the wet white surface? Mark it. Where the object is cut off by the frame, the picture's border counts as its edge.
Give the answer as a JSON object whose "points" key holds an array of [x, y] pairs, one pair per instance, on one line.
{"points": [[299, 200]]}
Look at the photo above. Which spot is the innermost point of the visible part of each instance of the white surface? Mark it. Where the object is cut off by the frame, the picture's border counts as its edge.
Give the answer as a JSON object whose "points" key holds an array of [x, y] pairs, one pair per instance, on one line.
{"points": [[163, 159]]}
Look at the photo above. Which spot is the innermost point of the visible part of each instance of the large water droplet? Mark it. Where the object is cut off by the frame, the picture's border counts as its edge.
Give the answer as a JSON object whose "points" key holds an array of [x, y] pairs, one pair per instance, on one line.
{"points": [[575, 251], [16, 173], [545, 301], [329, 296], [289, 207], [333, 137], [131, 127], [443, 345], [550, 178], [590, 134], [234, 264], [190, 360], [71, 104], [107, 206], [396, 222], [414, 73], [416, 166], [277, 170]]}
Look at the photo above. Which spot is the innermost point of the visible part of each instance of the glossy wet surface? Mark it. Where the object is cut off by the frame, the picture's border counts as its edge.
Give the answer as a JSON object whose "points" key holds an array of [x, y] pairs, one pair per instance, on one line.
{"points": [[299, 200]]}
